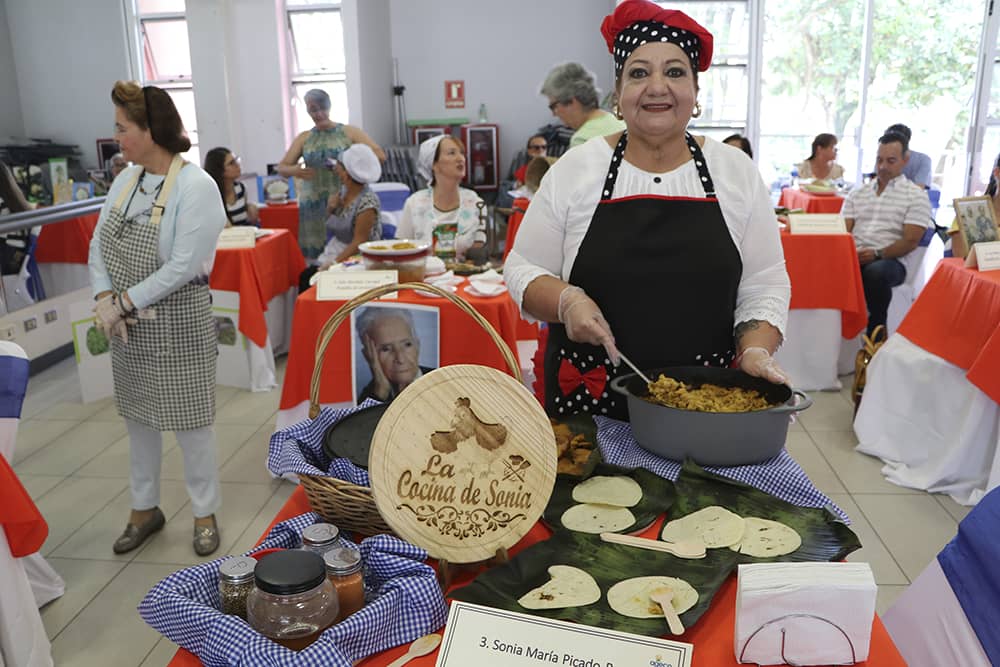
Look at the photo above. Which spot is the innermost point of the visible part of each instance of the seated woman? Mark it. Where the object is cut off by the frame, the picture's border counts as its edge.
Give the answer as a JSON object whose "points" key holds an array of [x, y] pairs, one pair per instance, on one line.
{"points": [[353, 210], [958, 246], [536, 147], [224, 168], [444, 213], [574, 99], [821, 164], [739, 141]]}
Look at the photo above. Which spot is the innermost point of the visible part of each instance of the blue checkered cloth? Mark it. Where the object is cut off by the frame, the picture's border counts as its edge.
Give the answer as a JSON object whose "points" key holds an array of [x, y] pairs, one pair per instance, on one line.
{"points": [[299, 449], [781, 476], [408, 604]]}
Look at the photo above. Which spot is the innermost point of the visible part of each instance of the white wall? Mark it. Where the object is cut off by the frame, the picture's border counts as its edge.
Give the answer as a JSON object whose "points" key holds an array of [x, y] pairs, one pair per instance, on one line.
{"points": [[68, 56], [502, 50], [369, 60], [11, 124]]}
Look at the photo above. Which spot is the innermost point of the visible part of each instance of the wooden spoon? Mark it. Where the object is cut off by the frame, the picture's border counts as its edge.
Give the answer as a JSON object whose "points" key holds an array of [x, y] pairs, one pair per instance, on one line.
{"points": [[420, 646], [662, 596]]}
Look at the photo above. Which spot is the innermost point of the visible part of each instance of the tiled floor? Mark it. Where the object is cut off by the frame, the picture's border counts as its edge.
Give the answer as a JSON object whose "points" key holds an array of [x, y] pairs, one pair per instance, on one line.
{"points": [[73, 458]]}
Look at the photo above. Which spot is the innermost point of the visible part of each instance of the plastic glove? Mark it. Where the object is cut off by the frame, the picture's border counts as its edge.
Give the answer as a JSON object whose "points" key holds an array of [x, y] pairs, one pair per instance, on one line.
{"points": [[584, 321], [121, 330], [757, 361], [107, 314]]}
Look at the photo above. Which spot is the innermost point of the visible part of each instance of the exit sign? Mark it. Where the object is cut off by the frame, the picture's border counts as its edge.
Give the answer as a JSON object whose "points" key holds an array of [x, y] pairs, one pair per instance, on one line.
{"points": [[454, 94]]}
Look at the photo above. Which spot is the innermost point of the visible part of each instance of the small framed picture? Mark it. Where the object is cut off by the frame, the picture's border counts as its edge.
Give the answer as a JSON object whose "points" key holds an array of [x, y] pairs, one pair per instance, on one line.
{"points": [[106, 148], [977, 221], [82, 191]]}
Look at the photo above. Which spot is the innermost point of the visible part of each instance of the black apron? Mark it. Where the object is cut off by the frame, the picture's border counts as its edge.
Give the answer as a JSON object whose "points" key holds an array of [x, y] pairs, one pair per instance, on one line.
{"points": [[664, 272]]}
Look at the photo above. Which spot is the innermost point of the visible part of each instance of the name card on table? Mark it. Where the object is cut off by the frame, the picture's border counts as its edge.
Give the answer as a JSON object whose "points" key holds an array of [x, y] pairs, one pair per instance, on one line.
{"points": [[237, 237], [343, 285], [816, 223], [488, 637], [984, 255]]}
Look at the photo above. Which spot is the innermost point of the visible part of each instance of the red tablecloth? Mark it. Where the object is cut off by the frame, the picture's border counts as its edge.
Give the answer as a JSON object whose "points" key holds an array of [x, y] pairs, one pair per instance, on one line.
{"points": [[281, 216], [825, 273], [712, 636], [810, 202], [513, 222], [67, 241], [462, 342], [23, 524], [259, 274], [957, 317]]}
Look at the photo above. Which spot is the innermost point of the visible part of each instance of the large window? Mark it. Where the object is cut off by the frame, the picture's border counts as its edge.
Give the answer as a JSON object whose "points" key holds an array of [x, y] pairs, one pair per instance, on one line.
{"points": [[316, 58], [164, 59]]}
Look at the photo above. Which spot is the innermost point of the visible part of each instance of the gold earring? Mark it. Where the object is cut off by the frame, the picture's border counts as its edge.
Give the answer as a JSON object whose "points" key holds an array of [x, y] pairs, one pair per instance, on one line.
{"points": [[617, 112], [697, 109]]}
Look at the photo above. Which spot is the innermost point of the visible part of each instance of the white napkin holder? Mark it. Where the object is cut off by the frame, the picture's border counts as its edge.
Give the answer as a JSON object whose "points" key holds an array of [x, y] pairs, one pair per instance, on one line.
{"points": [[804, 613]]}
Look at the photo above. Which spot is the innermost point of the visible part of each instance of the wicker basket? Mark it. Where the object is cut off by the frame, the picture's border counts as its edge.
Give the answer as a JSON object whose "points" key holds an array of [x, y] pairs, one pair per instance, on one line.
{"points": [[349, 506]]}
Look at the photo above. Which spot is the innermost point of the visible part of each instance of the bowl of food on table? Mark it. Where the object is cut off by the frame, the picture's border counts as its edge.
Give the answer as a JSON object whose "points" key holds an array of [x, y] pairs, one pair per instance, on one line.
{"points": [[714, 416], [407, 257]]}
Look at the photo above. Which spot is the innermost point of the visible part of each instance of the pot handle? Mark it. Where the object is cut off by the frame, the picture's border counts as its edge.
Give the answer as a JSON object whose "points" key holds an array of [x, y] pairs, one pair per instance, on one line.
{"points": [[618, 384], [798, 406]]}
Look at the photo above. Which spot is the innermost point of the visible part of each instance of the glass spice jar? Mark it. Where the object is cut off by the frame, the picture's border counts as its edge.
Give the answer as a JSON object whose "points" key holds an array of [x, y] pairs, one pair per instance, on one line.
{"points": [[293, 601], [235, 584], [320, 537], [343, 567]]}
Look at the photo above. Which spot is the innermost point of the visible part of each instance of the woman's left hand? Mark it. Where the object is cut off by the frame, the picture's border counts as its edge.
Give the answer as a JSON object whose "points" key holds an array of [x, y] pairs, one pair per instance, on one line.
{"points": [[757, 361]]}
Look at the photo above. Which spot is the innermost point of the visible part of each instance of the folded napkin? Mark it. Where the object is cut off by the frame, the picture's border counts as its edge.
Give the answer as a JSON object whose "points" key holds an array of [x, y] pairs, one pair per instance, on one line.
{"points": [[431, 295], [812, 603], [435, 265], [485, 289], [446, 278], [488, 276]]}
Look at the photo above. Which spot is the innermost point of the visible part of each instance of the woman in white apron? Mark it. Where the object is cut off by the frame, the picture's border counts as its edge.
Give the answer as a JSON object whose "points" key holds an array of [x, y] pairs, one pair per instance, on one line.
{"points": [[150, 258]]}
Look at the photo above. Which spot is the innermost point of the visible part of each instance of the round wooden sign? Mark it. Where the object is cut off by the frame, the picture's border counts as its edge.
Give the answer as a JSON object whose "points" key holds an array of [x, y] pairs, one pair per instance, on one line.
{"points": [[463, 462]]}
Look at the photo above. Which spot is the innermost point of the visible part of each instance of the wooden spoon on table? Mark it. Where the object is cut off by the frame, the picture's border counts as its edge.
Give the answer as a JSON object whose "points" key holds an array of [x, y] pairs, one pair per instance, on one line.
{"points": [[662, 596], [420, 646]]}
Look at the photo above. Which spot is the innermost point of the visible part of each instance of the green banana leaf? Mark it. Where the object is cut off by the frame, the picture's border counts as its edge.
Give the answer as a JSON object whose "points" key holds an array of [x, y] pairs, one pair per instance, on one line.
{"points": [[824, 536], [657, 496], [500, 587]]}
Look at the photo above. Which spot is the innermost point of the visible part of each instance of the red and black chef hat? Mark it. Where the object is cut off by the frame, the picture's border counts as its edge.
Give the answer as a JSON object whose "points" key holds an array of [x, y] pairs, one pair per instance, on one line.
{"points": [[638, 22]]}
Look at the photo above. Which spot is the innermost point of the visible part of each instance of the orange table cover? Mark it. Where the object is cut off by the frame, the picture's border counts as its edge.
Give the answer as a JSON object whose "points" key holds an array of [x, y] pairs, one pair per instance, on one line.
{"points": [[712, 635], [957, 317], [281, 216], [462, 341], [513, 222], [67, 241], [824, 272], [810, 202], [23, 524], [259, 274]]}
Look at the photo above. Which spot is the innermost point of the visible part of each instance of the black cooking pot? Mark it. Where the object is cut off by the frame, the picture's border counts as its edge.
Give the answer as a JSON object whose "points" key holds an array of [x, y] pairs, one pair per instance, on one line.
{"points": [[710, 438]]}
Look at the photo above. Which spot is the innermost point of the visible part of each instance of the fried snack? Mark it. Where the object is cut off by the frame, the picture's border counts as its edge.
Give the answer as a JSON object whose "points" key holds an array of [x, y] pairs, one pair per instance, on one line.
{"points": [[404, 245], [573, 450], [706, 398]]}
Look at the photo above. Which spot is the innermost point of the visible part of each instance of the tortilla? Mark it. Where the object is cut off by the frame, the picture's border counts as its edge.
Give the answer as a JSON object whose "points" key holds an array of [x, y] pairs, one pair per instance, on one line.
{"points": [[618, 490], [631, 596], [713, 526], [763, 538], [568, 587], [594, 518]]}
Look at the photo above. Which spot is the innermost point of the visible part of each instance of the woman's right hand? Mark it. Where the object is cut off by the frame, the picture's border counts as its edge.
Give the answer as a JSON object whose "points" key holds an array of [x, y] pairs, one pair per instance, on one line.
{"points": [[584, 321], [380, 383], [306, 173]]}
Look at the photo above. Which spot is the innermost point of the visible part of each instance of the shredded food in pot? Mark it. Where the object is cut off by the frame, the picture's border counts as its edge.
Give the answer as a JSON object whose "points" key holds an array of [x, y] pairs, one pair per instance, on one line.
{"points": [[706, 398]]}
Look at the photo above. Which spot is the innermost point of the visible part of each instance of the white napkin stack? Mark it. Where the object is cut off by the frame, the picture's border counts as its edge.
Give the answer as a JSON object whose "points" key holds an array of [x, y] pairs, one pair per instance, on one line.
{"points": [[488, 283], [446, 278], [434, 266], [842, 593]]}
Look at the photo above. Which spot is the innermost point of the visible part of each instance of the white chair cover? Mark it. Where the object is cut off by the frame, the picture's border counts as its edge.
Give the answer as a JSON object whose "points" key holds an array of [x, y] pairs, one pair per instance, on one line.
{"points": [[920, 265]]}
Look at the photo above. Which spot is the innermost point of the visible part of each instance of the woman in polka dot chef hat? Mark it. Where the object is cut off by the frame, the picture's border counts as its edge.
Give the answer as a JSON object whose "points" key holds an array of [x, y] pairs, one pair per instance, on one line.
{"points": [[651, 240]]}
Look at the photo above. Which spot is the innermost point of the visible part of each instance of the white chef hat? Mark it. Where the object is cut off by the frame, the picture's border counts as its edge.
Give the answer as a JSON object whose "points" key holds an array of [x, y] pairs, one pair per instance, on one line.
{"points": [[425, 161], [361, 163]]}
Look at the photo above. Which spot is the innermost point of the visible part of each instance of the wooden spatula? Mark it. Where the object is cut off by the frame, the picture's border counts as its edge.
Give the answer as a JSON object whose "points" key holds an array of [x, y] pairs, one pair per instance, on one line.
{"points": [[662, 596]]}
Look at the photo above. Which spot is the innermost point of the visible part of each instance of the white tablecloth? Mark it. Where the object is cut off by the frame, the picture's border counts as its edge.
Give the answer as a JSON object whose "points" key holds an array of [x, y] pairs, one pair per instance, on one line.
{"points": [[933, 428]]}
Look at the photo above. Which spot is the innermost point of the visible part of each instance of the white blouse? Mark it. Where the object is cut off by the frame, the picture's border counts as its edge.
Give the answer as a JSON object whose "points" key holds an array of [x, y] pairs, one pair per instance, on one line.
{"points": [[559, 216], [419, 219]]}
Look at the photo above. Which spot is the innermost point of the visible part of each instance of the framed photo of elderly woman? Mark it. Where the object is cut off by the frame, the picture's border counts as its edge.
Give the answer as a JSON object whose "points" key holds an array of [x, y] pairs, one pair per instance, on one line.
{"points": [[392, 344], [977, 220]]}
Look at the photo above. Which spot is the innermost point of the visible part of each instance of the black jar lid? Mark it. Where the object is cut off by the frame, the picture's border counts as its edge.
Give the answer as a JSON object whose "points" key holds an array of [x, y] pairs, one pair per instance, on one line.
{"points": [[289, 572]]}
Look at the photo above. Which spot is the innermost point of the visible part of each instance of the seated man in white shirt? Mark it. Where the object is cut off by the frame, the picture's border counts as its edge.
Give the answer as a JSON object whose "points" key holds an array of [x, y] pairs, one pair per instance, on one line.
{"points": [[887, 218]]}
